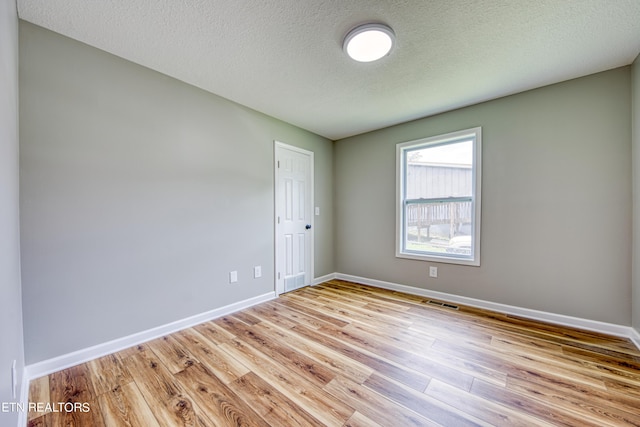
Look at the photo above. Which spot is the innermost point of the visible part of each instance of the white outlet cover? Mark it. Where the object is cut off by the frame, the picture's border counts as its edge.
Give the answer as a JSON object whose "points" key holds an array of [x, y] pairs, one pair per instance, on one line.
{"points": [[14, 380], [317, 211], [433, 271], [233, 276], [257, 271]]}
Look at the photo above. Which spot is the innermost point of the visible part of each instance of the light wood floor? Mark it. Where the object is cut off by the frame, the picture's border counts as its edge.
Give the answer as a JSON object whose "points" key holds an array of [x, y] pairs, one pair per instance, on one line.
{"points": [[341, 354]]}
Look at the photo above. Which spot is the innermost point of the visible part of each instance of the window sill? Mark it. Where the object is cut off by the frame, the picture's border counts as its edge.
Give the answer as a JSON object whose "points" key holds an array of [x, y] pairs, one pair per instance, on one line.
{"points": [[441, 259]]}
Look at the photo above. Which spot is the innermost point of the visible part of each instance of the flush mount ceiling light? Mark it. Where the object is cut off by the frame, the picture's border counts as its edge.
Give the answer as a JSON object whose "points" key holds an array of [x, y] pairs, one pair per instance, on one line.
{"points": [[369, 42]]}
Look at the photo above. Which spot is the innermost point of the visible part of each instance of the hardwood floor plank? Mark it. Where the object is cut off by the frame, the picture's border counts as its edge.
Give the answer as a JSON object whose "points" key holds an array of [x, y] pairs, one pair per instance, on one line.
{"points": [[583, 400], [214, 333], [91, 417], [39, 393], [420, 403], [41, 421], [449, 323], [335, 290], [300, 295], [132, 351], [71, 385], [392, 310], [171, 353], [324, 294], [523, 403], [321, 405], [566, 336], [484, 409], [406, 339], [359, 420], [273, 313], [526, 344], [207, 353], [293, 360], [590, 372], [617, 387], [393, 297], [160, 389], [124, 406], [363, 312], [107, 373], [222, 405], [357, 313], [400, 356], [415, 380], [298, 316], [291, 303], [520, 363], [375, 406], [615, 366], [272, 405], [470, 368], [331, 359], [596, 341], [246, 317]]}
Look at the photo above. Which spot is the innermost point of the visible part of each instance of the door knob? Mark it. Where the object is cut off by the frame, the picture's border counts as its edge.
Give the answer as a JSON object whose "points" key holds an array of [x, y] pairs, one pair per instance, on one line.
{"points": [[308, 226]]}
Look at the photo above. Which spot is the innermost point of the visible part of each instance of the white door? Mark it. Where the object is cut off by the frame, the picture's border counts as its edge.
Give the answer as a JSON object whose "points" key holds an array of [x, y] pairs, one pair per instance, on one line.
{"points": [[294, 219]]}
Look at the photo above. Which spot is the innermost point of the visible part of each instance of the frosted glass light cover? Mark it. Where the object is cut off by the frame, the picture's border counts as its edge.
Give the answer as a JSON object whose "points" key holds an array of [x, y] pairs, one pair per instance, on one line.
{"points": [[369, 42]]}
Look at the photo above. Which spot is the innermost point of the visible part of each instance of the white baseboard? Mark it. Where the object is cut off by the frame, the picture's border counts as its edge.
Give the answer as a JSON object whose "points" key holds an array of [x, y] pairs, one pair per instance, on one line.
{"points": [[24, 399], [46, 367], [635, 337], [558, 319], [323, 279]]}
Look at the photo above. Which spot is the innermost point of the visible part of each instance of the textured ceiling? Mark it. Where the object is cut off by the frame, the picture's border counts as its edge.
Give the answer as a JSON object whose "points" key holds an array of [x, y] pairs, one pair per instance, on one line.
{"points": [[284, 57]]}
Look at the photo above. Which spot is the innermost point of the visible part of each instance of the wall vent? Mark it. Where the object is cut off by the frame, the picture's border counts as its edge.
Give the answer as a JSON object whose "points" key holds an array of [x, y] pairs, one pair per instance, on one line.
{"points": [[442, 304]]}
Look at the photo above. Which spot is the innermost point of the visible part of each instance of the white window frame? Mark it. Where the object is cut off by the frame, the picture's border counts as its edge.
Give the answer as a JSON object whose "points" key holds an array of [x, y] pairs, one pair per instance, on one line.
{"points": [[449, 138]]}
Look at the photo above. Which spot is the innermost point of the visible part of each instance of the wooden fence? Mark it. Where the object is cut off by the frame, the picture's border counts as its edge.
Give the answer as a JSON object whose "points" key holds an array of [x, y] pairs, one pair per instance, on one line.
{"points": [[424, 215]]}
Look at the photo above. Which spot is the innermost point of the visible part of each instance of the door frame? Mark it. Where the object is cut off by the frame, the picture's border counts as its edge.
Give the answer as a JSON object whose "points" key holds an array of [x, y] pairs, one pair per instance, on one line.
{"points": [[279, 278]]}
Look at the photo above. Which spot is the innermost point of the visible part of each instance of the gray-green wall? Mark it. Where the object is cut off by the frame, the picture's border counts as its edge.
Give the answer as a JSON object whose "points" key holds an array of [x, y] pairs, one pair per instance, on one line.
{"points": [[556, 201], [139, 194], [635, 122], [11, 338]]}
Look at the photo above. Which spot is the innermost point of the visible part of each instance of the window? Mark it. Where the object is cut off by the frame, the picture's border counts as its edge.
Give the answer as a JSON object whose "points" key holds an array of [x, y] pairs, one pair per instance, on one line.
{"points": [[438, 198]]}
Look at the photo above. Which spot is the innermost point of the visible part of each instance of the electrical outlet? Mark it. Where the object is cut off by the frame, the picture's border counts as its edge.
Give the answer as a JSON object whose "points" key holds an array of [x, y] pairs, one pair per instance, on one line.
{"points": [[233, 276], [317, 211], [433, 271], [14, 380], [257, 271]]}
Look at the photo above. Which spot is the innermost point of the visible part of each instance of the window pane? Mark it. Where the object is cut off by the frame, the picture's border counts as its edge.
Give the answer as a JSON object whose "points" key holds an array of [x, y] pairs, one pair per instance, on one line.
{"points": [[438, 198], [440, 171], [440, 228]]}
